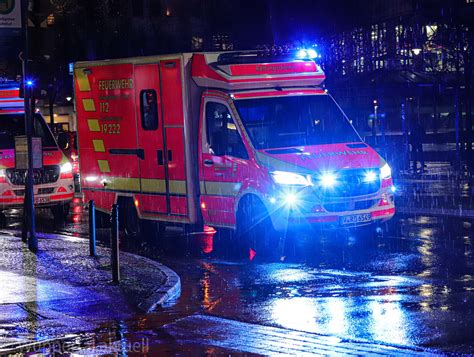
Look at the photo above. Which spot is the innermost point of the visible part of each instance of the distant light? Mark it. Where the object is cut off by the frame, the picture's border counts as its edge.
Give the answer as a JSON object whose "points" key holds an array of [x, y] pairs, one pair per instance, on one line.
{"points": [[370, 176], [301, 54], [136, 203], [416, 51], [375, 101], [273, 200], [393, 189], [203, 205], [29, 83], [68, 99]]}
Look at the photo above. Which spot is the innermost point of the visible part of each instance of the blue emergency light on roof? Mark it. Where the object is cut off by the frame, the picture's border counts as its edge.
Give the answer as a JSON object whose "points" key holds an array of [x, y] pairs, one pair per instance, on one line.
{"points": [[29, 83], [309, 53]]}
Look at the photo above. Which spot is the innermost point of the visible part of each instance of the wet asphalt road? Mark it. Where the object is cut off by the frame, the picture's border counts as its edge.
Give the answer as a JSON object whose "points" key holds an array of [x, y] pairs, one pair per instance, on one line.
{"points": [[412, 284]]}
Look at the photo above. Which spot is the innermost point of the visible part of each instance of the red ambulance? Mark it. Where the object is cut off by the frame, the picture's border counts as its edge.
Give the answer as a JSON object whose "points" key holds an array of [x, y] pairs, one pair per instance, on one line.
{"points": [[53, 184], [236, 139]]}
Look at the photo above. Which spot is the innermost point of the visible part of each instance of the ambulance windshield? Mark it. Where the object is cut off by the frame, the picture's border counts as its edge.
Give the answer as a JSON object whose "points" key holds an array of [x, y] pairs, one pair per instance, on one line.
{"points": [[304, 120], [12, 125]]}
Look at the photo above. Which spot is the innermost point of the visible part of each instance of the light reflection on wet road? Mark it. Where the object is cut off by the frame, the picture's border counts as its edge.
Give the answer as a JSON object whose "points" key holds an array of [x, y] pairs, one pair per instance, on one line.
{"points": [[413, 285]]}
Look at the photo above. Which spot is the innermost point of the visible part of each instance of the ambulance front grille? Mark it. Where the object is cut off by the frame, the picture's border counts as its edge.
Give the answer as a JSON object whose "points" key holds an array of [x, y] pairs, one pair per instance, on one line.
{"points": [[350, 206], [352, 183], [48, 174]]}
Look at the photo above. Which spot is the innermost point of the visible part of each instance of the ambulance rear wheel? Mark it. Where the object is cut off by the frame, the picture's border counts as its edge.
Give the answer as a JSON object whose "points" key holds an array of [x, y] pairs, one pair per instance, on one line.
{"points": [[255, 233], [130, 221], [60, 212]]}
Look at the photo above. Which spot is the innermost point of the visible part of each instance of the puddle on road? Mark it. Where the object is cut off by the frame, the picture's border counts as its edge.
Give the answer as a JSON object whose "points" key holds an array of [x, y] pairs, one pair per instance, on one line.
{"points": [[381, 288]]}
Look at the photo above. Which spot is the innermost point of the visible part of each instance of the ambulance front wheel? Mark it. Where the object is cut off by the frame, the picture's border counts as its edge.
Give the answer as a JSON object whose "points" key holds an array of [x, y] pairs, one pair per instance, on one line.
{"points": [[60, 212], [255, 233]]}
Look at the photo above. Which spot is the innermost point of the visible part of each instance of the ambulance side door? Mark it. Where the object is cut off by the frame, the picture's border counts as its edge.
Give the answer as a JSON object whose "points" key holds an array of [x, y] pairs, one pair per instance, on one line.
{"points": [[153, 197], [224, 163]]}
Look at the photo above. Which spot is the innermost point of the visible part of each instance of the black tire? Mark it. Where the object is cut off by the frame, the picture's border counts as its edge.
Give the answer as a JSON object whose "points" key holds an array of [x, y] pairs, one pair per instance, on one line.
{"points": [[102, 220], [255, 229], [61, 212], [128, 216]]}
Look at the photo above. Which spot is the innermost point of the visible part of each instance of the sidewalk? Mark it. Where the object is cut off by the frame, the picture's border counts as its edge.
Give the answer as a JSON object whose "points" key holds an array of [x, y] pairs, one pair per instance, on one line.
{"points": [[439, 190], [62, 291]]}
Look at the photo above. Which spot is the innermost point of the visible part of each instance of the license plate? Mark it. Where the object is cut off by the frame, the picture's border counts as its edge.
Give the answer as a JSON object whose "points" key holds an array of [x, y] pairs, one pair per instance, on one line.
{"points": [[356, 219], [41, 200]]}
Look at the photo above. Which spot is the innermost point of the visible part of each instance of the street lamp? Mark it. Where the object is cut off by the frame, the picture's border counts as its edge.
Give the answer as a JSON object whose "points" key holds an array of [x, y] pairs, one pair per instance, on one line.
{"points": [[416, 51]]}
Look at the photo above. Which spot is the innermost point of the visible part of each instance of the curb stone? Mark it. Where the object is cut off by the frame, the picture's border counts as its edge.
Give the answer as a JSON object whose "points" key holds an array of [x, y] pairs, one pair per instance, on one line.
{"points": [[171, 289]]}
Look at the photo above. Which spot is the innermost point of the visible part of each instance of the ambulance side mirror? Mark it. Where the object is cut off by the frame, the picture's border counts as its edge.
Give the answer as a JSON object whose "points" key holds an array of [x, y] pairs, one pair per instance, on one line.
{"points": [[63, 141]]}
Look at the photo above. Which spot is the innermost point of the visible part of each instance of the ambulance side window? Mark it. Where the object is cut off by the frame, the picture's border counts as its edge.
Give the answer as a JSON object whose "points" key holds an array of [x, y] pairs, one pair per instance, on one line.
{"points": [[221, 131], [149, 109]]}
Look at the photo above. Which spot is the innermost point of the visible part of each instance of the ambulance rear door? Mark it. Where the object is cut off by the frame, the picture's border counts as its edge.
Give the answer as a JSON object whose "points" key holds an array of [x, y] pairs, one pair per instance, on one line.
{"points": [[172, 97], [107, 132], [153, 201], [159, 104]]}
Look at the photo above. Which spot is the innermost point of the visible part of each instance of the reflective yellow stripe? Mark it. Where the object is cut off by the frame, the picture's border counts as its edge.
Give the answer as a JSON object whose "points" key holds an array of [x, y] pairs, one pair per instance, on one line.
{"points": [[159, 186], [123, 184], [178, 187], [93, 124], [222, 188], [89, 105], [153, 185], [103, 166], [98, 145], [82, 80], [280, 165]]}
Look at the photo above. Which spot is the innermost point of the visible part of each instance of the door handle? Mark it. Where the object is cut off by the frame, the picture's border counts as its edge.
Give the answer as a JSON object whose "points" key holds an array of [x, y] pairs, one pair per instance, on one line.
{"points": [[159, 154], [208, 162]]}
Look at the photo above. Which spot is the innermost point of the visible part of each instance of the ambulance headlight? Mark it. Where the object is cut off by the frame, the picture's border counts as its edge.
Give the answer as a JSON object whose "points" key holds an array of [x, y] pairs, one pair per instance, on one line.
{"points": [[290, 178], [328, 180], [385, 172], [66, 168]]}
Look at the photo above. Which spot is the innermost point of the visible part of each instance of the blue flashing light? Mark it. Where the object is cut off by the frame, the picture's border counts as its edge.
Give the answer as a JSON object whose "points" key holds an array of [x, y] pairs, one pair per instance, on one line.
{"points": [[291, 199], [302, 54], [307, 53], [29, 83], [328, 180], [393, 189], [312, 54], [370, 176]]}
